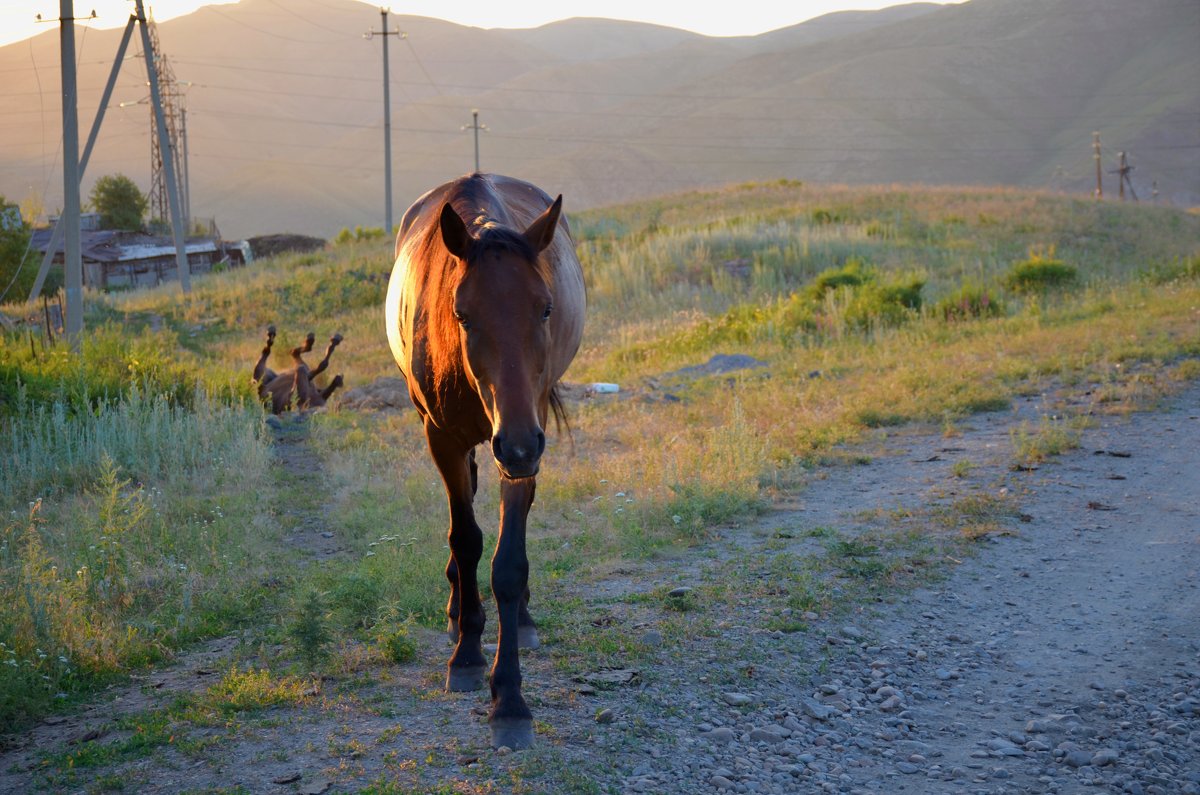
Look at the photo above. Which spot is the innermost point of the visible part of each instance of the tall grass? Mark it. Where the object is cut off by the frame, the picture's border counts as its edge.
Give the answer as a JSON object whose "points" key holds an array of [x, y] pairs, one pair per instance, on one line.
{"points": [[871, 307], [45, 449]]}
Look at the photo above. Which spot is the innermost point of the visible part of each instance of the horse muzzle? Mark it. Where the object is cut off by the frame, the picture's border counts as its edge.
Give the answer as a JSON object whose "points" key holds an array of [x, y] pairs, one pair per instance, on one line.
{"points": [[518, 455]]}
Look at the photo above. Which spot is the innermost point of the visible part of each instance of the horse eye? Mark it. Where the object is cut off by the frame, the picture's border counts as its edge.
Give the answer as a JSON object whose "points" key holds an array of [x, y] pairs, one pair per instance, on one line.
{"points": [[546, 314], [462, 319]]}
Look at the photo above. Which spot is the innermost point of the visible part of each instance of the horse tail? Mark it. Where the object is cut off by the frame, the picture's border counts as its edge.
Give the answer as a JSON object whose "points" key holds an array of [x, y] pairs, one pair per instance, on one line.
{"points": [[561, 420]]}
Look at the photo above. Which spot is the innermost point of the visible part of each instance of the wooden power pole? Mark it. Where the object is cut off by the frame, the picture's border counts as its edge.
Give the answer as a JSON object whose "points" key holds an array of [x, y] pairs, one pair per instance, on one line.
{"points": [[72, 255], [387, 116], [1123, 179], [74, 166], [476, 127]]}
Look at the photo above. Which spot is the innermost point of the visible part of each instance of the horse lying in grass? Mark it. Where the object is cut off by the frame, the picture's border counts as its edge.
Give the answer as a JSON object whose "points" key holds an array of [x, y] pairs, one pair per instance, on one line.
{"points": [[278, 388], [484, 313]]}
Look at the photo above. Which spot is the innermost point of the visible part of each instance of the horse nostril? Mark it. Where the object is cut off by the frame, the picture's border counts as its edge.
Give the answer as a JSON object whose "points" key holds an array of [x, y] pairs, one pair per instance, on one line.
{"points": [[498, 447]]}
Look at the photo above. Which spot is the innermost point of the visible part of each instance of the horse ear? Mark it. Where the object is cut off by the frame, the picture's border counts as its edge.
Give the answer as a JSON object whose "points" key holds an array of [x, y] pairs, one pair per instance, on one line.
{"points": [[454, 232], [541, 232]]}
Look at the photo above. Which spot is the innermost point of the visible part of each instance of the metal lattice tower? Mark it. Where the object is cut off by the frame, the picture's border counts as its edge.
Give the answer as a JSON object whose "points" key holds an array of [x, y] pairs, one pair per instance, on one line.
{"points": [[160, 208]]}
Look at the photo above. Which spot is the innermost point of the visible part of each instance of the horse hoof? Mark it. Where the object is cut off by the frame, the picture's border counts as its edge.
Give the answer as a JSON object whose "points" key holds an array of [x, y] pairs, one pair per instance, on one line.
{"points": [[463, 679], [527, 637], [516, 733]]}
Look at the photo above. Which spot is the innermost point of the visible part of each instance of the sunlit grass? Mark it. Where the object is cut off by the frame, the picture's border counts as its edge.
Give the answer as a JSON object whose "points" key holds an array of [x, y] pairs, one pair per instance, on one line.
{"points": [[870, 307]]}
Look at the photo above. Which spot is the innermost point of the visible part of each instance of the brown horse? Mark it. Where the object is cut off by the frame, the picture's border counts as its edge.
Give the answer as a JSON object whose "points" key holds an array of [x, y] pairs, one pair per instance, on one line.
{"points": [[278, 388], [483, 316]]}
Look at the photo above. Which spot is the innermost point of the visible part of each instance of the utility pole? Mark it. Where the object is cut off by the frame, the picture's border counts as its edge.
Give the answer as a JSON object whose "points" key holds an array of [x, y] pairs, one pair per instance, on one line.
{"points": [[186, 178], [56, 236], [1122, 172], [168, 151], [387, 115], [72, 255], [1096, 157], [476, 126]]}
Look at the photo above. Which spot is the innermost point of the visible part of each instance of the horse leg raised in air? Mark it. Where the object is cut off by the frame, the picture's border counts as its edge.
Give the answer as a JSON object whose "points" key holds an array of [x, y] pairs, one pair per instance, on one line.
{"points": [[484, 313], [308, 396], [262, 373], [280, 387]]}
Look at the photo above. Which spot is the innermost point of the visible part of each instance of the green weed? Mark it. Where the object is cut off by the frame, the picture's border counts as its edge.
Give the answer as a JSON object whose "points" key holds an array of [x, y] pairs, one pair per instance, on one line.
{"points": [[1039, 273], [1052, 437]]}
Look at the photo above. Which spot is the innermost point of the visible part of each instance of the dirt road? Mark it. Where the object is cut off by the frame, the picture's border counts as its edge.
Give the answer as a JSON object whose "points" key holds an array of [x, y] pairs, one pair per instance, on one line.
{"points": [[1063, 657]]}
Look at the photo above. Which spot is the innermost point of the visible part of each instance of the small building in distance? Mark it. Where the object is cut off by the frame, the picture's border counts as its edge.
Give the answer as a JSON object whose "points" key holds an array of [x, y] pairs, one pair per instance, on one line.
{"points": [[118, 259]]}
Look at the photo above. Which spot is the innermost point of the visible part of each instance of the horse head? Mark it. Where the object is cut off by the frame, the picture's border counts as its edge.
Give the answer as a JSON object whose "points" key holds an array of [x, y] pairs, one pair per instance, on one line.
{"points": [[503, 305]]}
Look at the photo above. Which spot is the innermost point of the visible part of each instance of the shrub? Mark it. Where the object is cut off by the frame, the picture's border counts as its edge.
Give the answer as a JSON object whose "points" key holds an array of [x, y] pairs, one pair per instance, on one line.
{"points": [[396, 644], [891, 304], [968, 303], [1039, 273], [309, 629], [852, 274]]}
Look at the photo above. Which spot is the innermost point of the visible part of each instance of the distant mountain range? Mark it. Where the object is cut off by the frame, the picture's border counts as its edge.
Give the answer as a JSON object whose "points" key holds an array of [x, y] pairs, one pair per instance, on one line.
{"points": [[285, 120]]}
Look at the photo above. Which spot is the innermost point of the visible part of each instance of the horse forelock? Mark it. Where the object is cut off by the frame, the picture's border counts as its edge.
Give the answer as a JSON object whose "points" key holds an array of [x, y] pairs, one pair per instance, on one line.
{"points": [[495, 238]]}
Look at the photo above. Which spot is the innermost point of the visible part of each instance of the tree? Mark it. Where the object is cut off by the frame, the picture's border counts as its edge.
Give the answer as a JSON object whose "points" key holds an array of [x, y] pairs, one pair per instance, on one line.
{"points": [[18, 265], [120, 204]]}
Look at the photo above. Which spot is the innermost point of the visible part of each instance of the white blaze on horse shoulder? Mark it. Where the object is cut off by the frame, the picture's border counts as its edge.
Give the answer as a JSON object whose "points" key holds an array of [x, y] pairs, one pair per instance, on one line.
{"points": [[392, 311]]}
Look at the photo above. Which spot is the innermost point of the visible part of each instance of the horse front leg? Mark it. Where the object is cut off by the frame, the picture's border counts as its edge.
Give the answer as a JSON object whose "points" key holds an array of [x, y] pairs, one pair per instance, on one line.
{"points": [[510, 719], [464, 611], [262, 373], [334, 341], [452, 606]]}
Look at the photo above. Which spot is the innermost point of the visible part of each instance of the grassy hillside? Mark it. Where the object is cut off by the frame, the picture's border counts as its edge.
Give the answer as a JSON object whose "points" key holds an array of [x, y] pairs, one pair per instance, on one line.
{"points": [[146, 504]]}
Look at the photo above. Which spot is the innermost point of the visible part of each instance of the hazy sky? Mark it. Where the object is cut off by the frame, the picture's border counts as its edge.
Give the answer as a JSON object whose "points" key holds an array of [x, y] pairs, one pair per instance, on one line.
{"points": [[17, 17]]}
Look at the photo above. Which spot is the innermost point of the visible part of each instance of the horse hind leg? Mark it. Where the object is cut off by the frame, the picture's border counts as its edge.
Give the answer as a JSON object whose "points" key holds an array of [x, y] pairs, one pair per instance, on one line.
{"points": [[334, 385], [307, 396], [527, 635]]}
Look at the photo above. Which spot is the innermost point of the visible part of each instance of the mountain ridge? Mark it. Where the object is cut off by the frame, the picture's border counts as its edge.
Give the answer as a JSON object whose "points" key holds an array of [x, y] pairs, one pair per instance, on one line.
{"points": [[285, 117]]}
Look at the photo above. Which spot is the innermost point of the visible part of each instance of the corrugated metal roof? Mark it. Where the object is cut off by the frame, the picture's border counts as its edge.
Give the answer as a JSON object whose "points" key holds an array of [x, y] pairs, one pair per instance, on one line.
{"points": [[109, 245]]}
